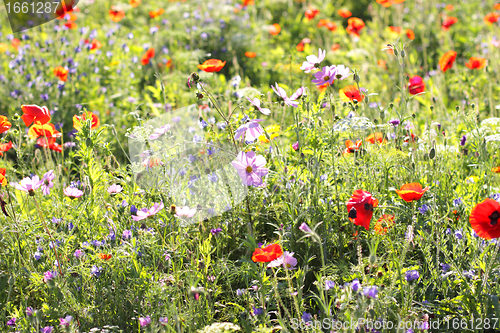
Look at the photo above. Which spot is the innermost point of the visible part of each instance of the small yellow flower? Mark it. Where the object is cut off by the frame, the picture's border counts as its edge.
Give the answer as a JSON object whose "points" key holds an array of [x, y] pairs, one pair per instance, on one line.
{"points": [[3, 47], [272, 130]]}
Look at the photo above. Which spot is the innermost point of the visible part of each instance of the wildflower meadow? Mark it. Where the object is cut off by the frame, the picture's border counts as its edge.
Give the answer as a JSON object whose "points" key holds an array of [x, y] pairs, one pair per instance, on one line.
{"points": [[249, 166]]}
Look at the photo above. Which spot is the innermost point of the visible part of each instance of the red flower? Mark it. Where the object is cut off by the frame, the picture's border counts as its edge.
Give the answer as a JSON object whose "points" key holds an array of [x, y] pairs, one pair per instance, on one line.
{"points": [[104, 256], [416, 85], [134, 3], [4, 124], [267, 254], [447, 60], [78, 120], [484, 219], [383, 224], [350, 93], [3, 180], [395, 29], [411, 192], [212, 65], [410, 34], [351, 147], [476, 63], [35, 113], [46, 130], [156, 13], [355, 25], [250, 54], [150, 53], [275, 29], [116, 15], [344, 13], [450, 20], [376, 137], [49, 143], [5, 147], [311, 13], [61, 73], [300, 47], [491, 18], [360, 208]]}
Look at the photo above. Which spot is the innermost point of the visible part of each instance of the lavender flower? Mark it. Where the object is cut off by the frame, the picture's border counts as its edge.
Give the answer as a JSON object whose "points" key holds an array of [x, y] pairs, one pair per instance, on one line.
{"points": [[256, 103], [412, 275], [312, 61]]}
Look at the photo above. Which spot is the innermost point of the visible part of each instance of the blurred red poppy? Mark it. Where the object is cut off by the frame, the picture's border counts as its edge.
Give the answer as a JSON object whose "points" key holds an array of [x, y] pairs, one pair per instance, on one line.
{"points": [[376, 137], [3, 180], [484, 219], [116, 15], [448, 22], [156, 13], [275, 29], [150, 53], [311, 12], [61, 73], [351, 147], [344, 13], [395, 29], [350, 93], [49, 143], [5, 147], [360, 208], [47, 130], [78, 120], [250, 54], [212, 65], [447, 60], [134, 3], [476, 63], [355, 25], [267, 254], [491, 18], [410, 34], [416, 85], [4, 124]]}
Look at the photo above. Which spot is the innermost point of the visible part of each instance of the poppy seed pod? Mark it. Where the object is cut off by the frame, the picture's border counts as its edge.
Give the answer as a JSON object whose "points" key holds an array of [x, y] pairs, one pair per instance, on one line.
{"points": [[396, 52], [373, 259], [382, 115], [403, 54]]}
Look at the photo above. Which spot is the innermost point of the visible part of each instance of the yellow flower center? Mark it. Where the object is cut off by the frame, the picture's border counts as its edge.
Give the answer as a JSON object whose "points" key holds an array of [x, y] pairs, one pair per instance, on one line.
{"points": [[249, 169]]}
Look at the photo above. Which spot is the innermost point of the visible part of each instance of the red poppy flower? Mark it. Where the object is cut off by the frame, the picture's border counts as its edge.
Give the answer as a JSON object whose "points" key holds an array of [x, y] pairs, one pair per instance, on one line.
{"points": [[49, 143], [449, 8], [248, 3], [61, 73], [355, 25], [450, 20], [476, 63], [411, 192], [5, 147], [250, 54], [70, 25], [78, 120], [35, 113], [395, 29], [389, 3], [3, 180], [376, 137], [311, 12], [484, 219], [4, 124], [491, 18], [344, 13], [267, 254], [447, 60], [212, 65], [416, 85], [104, 256], [150, 53], [382, 64], [156, 13], [497, 6], [496, 169], [350, 93], [15, 43], [410, 34], [134, 3], [116, 15], [300, 47], [360, 208], [275, 29], [96, 45], [47, 130], [351, 147], [335, 47]]}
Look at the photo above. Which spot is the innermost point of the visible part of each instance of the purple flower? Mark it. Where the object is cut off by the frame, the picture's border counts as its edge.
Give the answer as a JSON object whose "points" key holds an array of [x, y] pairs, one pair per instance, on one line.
{"points": [[133, 210], [445, 267], [163, 321], [145, 321], [305, 228], [240, 292], [72, 192], [301, 91], [412, 275], [256, 103], [312, 61], [459, 234], [326, 75], [159, 132], [394, 122], [370, 291], [251, 129], [78, 253], [127, 234], [257, 311], [47, 329], [29, 185], [115, 189], [306, 317], [355, 285], [145, 213], [30, 311], [287, 261], [329, 284], [250, 168], [66, 321], [424, 209], [37, 255], [95, 271], [47, 184], [463, 140], [457, 202], [295, 146], [282, 93], [11, 322], [49, 275], [216, 232]]}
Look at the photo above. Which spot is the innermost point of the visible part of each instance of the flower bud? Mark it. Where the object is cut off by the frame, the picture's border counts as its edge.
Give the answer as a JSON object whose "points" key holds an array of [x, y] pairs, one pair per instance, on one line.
{"points": [[396, 52], [457, 107], [373, 259], [382, 115], [403, 54], [431, 107]]}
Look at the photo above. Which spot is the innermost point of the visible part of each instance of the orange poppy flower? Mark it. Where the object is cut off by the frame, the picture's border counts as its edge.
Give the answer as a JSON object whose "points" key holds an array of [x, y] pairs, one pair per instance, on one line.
{"points": [[275, 29], [46, 130], [395, 29], [335, 47], [383, 224], [411, 192], [476, 63], [212, 65], [449, 8], [344, 13], [376, 137], [134, 3], [156, 13], [104, 256], [78, 120], [350, 93], [3, 180], [447, 60], [96, 45], [355, 25], [267, 254], [49, 143], [416, 85], [491, 18], [389, 3], [450, 20], [323, 87], [15, 43], [410, 34], [71, 25], [5, 147], [311, 12], [382, 64], [69, 16], [360, 208], [116, 15], [61, 73], [150, 53], [300, 47], [250, 54], [4, 124], [484, 219], [351, 147], [34, 113], [248, 3], [497, 6], [496, 169]]}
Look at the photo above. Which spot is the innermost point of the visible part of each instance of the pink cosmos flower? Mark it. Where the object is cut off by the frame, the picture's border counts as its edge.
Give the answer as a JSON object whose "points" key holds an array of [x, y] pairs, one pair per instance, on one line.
{"points": [[342, 72], [114, 189], [313, 61], [47, 179], [301, 91], [145, 321], [185, 212], [65, 321], [251, 129], [250, 168], [145, 213], [28, 184], [326, 75], [287, 261], [159, 132], [72, 192], [282, 93], [256, 103]]}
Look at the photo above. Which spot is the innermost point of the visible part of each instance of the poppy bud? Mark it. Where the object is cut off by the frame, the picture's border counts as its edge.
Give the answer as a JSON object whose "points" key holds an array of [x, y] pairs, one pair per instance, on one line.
{"points": [[375, 121], [199, 95], [391, 105], [457, 107], [356, 78], [413, 116], [367, 99], [407, 78], [373, 259], [382, 115], [396, 52], [431, 107], [380, 274], [172, 209], [403, 54], [473, 106]]}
